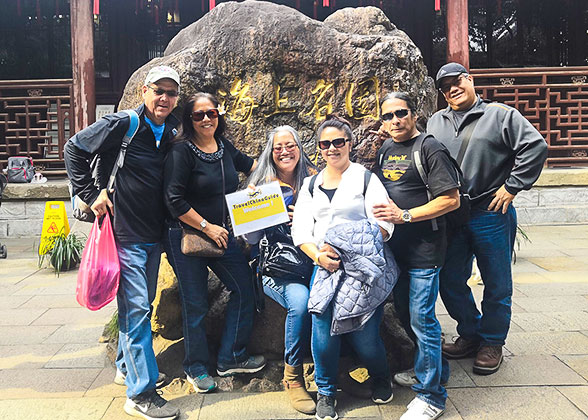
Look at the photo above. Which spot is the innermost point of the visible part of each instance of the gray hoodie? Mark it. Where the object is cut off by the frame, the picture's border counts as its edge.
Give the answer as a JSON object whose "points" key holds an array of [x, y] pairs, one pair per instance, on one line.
{"points": [[505, 148]]}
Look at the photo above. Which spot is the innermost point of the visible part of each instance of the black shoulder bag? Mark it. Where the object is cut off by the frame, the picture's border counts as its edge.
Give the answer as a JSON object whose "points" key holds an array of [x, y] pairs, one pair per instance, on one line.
{"points": [[278, 257]]}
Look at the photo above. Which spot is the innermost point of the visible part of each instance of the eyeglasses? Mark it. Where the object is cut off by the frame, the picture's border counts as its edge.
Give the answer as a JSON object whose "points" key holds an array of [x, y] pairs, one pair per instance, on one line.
{"points": [[400, 114], [159, 91], [455, 81], [338, 143], [211, 114], [289, 147]]}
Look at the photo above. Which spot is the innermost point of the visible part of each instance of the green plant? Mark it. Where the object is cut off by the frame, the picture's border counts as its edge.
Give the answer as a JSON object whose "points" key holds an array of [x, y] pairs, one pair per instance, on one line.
{"points": [[520, 237], [63, 251], [110, 332]]}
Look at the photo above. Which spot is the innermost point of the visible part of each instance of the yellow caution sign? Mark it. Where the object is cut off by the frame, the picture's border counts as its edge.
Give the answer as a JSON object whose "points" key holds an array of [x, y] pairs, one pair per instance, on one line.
{"points": [[54, 223]]}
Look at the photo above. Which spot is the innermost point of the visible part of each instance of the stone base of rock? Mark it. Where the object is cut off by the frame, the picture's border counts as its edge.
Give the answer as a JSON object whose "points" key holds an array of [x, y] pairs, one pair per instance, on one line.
{"points": [[267, 338]]}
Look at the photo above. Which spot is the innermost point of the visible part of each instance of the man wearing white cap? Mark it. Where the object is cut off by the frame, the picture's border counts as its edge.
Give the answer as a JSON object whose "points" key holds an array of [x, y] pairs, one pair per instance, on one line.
{"points": [[136, 203]]}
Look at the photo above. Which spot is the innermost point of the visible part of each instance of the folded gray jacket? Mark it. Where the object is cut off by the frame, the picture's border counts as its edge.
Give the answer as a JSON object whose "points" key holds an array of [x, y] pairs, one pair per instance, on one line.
{"points": [[365, 278]]}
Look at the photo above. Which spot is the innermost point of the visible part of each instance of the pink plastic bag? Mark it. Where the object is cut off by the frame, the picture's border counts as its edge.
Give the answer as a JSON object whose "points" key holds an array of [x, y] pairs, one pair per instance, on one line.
{"points": [[100, 268]]}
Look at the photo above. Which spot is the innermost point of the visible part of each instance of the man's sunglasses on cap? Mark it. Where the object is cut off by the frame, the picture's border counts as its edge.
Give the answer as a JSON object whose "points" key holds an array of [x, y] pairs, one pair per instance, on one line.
{"points": [[159, 91], [338, 143], [445, 87], [400, 114], [211, 114]]}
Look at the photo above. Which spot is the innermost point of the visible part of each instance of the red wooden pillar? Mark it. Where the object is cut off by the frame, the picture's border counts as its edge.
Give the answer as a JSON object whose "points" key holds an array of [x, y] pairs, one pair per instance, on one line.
{"points": [[458, 44], [82, 60]]}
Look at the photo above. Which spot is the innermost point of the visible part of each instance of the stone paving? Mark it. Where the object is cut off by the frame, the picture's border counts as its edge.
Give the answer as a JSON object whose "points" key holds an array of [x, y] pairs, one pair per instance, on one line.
{"points": [[53, 367]]}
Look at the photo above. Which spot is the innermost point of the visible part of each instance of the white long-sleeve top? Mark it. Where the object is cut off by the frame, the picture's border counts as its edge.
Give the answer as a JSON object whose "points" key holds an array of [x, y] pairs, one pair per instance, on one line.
{"points": [[314, 215]]}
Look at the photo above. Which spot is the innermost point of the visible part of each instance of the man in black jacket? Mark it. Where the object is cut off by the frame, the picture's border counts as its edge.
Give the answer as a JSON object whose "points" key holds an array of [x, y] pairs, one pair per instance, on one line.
{"points": [[502, 155], [136, 202]]}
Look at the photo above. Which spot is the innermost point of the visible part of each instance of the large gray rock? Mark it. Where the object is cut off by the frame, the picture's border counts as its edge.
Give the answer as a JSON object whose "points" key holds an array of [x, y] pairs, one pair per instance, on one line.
{"points": [[271, 65], [363, 21]]}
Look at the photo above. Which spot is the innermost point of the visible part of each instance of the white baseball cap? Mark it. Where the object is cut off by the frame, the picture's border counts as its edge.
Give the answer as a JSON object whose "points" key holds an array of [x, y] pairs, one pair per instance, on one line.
{"points": [[162, 72]]}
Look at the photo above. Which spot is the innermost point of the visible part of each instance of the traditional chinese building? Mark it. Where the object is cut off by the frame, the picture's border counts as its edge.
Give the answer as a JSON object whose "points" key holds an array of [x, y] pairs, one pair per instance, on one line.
{"points": [[62, 62]]}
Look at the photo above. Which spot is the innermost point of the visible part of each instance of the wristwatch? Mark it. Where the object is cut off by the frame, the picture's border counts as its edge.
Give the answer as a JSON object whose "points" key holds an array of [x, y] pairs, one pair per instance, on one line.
{"points": [[406, 216], [203, 224]]}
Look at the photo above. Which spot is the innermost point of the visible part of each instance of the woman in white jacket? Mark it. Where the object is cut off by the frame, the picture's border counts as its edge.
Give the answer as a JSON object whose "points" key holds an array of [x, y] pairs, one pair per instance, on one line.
{"points": [[338, 197]]}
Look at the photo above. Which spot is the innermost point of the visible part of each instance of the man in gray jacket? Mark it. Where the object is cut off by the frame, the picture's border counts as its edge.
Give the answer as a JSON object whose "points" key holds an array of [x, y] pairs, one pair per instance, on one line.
{"points": [[500, 153]]}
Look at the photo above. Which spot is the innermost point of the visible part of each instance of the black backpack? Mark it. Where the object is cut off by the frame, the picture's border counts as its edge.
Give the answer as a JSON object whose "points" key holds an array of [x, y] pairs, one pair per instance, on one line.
{"points": [[459, 216], [20, 169], [367, 175]]}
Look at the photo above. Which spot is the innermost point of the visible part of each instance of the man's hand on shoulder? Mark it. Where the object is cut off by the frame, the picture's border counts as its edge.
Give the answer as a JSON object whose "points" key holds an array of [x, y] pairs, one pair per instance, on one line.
{"points": [[102, 204], [501, 201], [388, 212]]}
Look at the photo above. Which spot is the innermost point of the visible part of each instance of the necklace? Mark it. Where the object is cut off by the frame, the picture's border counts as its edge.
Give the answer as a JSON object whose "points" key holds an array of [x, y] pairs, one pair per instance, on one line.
{"points": [[209, 157]]}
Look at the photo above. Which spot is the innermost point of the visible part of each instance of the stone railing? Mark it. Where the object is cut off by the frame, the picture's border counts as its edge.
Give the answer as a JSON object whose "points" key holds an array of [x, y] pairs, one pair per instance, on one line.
{"points": [[560, 196], [23, 206]]}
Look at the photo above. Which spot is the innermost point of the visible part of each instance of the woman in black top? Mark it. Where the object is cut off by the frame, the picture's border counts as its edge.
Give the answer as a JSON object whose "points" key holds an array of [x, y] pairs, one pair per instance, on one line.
{"points": [[194, 195]]}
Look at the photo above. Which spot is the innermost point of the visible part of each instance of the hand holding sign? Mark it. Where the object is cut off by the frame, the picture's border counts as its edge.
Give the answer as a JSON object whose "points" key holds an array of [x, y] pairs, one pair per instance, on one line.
{"points": [[256, 209]]}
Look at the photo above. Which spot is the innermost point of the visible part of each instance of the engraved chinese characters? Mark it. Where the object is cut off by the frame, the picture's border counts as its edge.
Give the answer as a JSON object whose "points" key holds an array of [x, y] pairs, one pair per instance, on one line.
{"points": [[270, 65]]}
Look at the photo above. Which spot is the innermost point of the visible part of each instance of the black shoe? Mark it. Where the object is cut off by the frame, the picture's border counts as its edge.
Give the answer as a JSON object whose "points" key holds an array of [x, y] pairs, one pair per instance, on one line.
{"points": [[251, 365], [325, 408], [382, 391], [150, 406]]}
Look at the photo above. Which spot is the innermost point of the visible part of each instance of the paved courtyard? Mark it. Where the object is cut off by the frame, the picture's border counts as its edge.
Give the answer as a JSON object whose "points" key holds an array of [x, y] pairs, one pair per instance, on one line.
{"points": [[53, 367]]}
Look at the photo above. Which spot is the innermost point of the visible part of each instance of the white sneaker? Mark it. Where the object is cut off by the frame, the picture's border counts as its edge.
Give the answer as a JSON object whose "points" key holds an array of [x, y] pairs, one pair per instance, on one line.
{"points": [[406, 378], [420, 410], [120, 377]]}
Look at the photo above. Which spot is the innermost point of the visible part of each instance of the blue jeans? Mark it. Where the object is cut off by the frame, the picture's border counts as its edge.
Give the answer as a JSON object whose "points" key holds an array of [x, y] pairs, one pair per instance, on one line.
{"points": [[139, 266], [415, 295], [367, 344], [294, 297], [490, 237], [192, 273]]}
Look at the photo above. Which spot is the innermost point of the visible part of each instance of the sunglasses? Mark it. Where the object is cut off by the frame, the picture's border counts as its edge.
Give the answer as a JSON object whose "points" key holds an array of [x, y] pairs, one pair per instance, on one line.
{"points": [[199, 115], [289, 147], [400, 114], [159, 91], [338, 143], [446, 87]]}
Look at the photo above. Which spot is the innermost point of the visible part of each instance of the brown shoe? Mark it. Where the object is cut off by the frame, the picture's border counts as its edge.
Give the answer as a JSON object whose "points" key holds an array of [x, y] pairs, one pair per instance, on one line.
{"points": [[294, 385], [459, 349], [488, 360]]}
